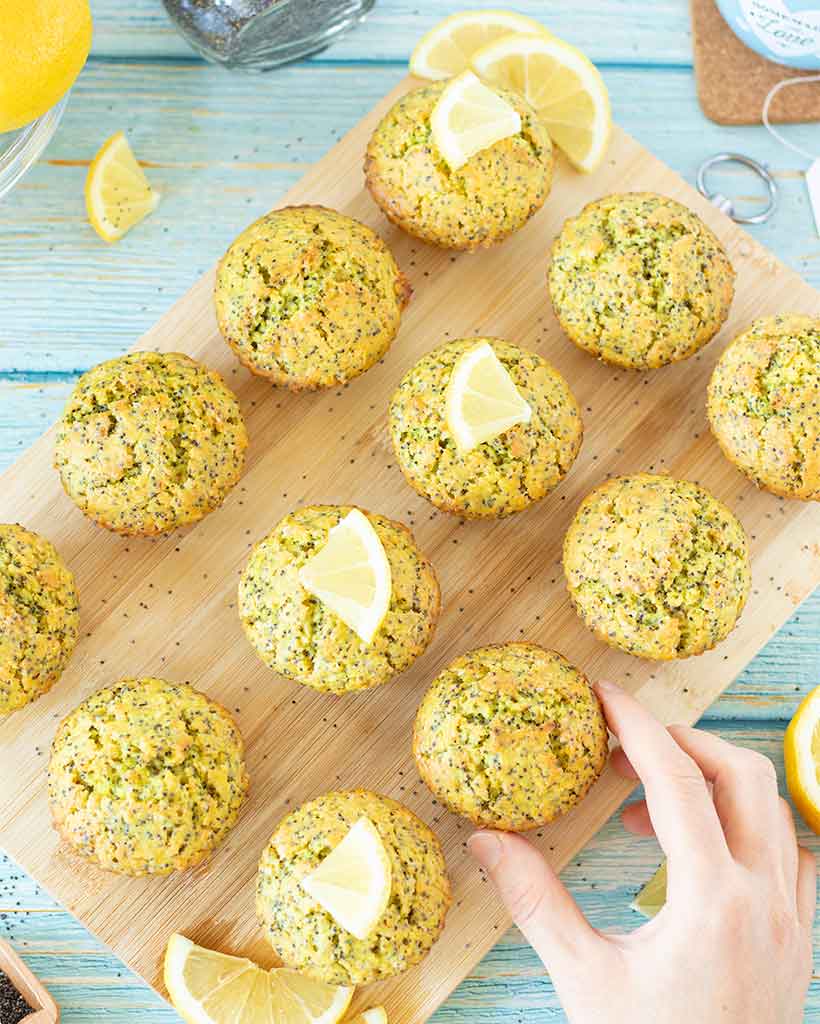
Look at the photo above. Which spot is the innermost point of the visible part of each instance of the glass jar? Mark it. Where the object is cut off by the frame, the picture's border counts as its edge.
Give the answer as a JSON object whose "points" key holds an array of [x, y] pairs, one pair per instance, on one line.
{"points": [[256, 35]]}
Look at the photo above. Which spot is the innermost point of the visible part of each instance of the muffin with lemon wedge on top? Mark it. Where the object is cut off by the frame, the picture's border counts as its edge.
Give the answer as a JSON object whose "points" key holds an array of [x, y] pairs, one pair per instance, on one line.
{"points": [[458, 164], [511, 52], [338, 599], [352, 888], [483, 428]]}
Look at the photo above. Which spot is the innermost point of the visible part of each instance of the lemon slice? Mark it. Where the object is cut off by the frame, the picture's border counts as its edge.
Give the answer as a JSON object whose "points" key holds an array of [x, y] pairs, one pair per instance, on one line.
{"points": [[447, 48], [351, 575], [482, 400], [653, 895], [563, 86], [117, 193], [353, 882], [470, 117], [375, 1015], [802, 756], [207, 987]]}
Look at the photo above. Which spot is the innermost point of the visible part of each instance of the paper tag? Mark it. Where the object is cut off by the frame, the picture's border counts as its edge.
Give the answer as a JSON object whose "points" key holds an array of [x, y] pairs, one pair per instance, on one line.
{"points": [[813, 182]]}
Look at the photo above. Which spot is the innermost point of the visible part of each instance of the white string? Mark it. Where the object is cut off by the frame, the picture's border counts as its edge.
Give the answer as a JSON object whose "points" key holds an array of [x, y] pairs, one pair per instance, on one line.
{"points": [[775, 89]]}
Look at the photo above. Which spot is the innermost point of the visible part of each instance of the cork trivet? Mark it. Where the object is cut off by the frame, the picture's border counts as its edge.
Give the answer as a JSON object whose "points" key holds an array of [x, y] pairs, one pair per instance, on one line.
{"points": [[733, 81]]}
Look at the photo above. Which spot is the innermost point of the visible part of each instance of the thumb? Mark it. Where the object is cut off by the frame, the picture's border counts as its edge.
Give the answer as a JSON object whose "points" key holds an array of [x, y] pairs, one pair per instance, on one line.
{"points": [[538, 902]]}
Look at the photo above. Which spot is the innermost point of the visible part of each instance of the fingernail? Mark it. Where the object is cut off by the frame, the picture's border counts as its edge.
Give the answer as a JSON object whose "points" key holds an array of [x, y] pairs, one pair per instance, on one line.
{"points": [[486, 848], [606, 686]]}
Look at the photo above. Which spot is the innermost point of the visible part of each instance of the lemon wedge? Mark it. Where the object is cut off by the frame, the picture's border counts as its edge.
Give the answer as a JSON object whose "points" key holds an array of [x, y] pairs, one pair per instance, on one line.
{"points": [[482, 400], [351, 575], [117, 193], [375, 1015], [802, 755], [353, 882], [653, 895], [207, 987], [447, 48], [564, 87], [470, 117]]}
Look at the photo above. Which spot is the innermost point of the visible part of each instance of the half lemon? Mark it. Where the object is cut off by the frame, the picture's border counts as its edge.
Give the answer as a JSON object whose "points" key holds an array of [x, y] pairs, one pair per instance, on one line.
{"points": [[564, 87], [351, 575], [207, 987], [447, 48], [117, 193], [482, 400], [353, 882], [801, 749]]}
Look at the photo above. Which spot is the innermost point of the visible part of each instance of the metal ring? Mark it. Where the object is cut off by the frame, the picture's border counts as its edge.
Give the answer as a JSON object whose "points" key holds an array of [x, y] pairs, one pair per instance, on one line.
{"points": [[725, 204]]}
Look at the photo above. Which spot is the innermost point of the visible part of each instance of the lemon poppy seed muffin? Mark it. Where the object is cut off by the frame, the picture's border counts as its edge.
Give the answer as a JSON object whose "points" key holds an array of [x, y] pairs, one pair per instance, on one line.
{"points": [[764, 404], [639, 281], [149, 442], [657, 566], [146, 777], [309, 298], [39, 616], [493, 194], [295, 634], [497, 477], [510, 736], [305, 936]]}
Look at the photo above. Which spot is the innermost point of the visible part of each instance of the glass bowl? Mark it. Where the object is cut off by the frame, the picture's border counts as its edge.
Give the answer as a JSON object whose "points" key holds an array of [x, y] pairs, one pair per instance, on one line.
{"points": [[20, 149], [258, 35]]}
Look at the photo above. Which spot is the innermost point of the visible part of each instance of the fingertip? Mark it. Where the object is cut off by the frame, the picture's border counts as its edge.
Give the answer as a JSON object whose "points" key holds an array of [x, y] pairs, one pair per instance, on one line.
{"points": [[605, 686], [485, 847]]}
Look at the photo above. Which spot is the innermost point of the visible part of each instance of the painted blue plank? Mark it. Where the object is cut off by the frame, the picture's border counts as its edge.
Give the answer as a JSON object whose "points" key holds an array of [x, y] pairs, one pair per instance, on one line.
{"points": [[611, 31]]}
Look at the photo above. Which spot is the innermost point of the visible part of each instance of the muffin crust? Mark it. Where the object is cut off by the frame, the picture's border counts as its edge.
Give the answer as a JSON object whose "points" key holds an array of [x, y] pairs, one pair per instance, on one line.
{"points": [[297, 636], [657, 566], [764, 404], [481, 203], [309, 298], [305, 936], [510, 736], [639, 281], [146, 777], [149, 442], [498, 477], [39, 616]]}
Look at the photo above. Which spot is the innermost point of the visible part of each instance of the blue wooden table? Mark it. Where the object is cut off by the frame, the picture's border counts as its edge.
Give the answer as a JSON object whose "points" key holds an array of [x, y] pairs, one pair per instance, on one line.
{"points": [[222, 149]]}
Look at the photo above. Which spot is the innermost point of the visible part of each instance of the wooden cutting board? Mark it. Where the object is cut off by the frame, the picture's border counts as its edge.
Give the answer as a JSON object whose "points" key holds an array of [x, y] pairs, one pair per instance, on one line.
{"points": [[167, 606]]}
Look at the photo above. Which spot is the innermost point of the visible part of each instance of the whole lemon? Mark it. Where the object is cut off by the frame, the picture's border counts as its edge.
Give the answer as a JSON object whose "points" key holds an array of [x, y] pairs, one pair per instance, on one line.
{"points": [[43, 46]]}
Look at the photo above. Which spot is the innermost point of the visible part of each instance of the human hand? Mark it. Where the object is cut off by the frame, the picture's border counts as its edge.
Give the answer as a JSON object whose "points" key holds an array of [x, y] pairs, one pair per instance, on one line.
{"points": [[733, 943]]}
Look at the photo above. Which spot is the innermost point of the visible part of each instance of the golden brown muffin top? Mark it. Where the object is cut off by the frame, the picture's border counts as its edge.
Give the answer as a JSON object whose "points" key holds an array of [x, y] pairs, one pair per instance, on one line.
{"points": [[657, 566], [308, 297], [639, 280], [510, 736], [764, 404], [146, 776], [149, 442], [39, 616]]}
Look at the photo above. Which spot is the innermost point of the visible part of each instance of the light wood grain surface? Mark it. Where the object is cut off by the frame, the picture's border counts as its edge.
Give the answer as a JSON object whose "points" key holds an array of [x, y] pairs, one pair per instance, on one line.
{"points": [[69, 301]]}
